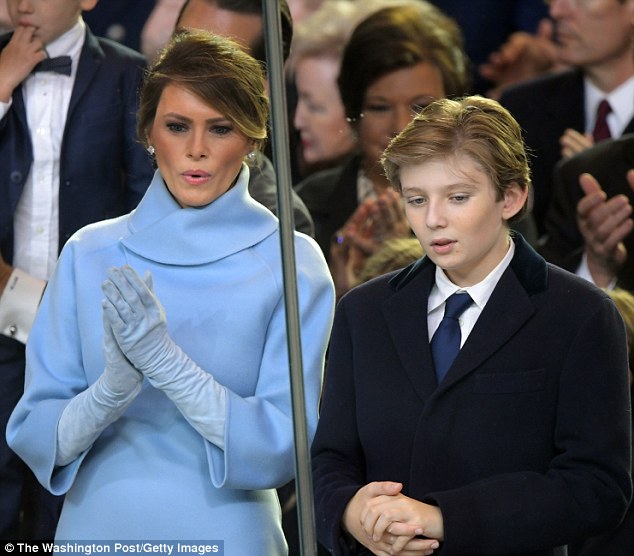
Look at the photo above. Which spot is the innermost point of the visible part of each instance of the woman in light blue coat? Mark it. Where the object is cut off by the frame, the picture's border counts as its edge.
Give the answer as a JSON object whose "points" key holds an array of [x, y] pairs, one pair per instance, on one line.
{"points": [[157, 393]]}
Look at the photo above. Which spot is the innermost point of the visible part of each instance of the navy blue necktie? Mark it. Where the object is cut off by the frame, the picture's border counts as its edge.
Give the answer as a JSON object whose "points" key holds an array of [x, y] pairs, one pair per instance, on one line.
{"points": [[445, 344], [61, 64]]}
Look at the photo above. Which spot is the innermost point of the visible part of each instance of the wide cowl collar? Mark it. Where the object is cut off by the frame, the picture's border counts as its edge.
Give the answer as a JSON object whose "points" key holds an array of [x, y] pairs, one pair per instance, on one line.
{"points": [[162, 231]]}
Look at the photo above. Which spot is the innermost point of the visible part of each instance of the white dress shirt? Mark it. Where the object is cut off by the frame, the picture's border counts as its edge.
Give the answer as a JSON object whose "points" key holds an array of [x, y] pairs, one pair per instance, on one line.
{"points": [[480, 293], [36, 220], [621, 100]]}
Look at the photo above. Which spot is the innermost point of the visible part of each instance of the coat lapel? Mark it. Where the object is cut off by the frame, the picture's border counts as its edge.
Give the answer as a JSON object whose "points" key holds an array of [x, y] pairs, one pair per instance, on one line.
{"points": [[21, 147], [406, 316], [90, 61], [507, 310]]}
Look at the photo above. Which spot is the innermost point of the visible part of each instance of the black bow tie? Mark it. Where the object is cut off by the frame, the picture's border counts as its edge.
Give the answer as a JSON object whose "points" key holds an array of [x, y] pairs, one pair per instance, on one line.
{"points": [[61, 64]]}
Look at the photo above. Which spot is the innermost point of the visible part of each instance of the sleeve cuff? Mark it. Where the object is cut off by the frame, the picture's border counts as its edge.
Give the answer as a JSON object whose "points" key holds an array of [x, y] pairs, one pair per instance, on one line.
{"points": [[4, 107], [18, 304], [583, 271]]}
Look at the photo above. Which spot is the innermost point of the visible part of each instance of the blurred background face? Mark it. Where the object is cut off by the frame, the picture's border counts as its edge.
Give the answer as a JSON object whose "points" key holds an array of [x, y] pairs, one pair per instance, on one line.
{"points": [[391, 102], [51, 18], [593, 31], [319, 116], [245, 29]]}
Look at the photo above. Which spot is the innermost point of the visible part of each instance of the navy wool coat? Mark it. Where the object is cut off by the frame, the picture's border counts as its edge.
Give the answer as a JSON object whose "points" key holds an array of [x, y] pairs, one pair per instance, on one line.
{"points": [[524, 446]]}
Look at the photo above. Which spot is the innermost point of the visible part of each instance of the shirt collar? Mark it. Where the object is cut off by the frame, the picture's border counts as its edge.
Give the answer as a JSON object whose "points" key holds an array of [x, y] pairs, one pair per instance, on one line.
{"points": [[480, 292], [70, 43], [620, 100]]}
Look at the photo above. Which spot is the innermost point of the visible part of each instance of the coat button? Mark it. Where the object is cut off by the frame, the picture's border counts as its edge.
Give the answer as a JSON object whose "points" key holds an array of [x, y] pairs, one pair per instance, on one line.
{"points": [[16, 176]]}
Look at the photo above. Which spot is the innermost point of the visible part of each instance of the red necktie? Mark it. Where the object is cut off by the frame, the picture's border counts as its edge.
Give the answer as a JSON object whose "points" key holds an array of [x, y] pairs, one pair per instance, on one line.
{"points": [[601, 129]]}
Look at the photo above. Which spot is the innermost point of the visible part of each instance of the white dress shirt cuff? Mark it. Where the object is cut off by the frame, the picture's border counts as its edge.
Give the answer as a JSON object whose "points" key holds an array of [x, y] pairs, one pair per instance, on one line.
{"points": [[583, 271], [18, 304], [4, 107]]}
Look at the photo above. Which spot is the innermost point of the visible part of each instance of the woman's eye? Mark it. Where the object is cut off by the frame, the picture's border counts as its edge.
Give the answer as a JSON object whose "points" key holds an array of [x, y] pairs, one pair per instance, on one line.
{"points": [[176, 127], [221, 129]]}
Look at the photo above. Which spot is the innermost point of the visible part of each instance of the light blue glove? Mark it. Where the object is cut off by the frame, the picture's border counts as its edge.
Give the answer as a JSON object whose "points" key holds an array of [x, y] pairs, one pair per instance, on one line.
{"points": [[120, 379], [139, 325], [136, 317], [90, 412]]}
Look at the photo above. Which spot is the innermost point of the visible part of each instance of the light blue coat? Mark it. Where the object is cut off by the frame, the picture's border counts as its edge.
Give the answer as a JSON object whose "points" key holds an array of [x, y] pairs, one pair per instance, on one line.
{"points": [[217, 271]]}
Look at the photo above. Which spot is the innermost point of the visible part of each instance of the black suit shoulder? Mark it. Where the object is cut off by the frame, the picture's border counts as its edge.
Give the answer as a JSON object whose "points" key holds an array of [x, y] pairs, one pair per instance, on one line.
{"points": [[542, 89], [331, 198], [120, 51], [318, 189], [545, 107]]}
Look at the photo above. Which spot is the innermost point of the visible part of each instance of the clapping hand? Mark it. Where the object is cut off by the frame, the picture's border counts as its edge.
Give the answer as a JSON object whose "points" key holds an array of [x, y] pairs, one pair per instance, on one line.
{"points": [[136, 317], [119, 377], [604, 224], [372, 223], [572, 142], [522, 56]]}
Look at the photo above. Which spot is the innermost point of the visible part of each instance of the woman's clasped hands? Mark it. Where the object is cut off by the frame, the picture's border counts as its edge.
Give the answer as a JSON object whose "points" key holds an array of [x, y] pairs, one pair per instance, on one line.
{"points": [[387, 522], [136, 317]]}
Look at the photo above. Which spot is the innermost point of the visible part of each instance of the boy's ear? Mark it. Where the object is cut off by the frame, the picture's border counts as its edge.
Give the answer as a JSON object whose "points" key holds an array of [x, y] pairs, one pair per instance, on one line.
{"points": [[514, 199]]}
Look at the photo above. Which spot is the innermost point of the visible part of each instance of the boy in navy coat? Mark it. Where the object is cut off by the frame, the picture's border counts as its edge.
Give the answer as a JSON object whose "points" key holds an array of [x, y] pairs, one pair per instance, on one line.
{"points": [[520, 443]]}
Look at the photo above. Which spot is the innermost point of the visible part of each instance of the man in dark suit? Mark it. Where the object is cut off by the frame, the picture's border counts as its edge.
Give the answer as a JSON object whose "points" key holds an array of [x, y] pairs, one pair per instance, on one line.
{"points": [[558, 112], [68, 157], [606, 214], [589, 231], [502, 427]]}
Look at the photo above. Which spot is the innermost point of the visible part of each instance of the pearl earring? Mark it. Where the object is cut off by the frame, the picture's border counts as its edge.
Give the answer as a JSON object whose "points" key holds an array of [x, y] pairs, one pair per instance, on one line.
{"points": [[151, 150], [251, 156]]}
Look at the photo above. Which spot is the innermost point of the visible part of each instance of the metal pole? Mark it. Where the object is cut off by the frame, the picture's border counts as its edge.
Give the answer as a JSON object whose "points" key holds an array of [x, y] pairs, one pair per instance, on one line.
{"points": [[281, 161]]}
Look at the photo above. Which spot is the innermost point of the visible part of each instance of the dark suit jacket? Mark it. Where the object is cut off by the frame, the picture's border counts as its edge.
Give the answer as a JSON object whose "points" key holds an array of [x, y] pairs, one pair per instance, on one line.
{"points": [[524, 446], [545, 107], [263, 188], [104, 170], [331, 198], [609, 162]]}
